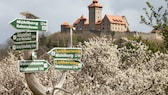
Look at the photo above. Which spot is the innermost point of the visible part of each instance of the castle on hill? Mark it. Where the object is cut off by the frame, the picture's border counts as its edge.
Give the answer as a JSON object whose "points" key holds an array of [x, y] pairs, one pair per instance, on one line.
{"points": [[95, 22]]}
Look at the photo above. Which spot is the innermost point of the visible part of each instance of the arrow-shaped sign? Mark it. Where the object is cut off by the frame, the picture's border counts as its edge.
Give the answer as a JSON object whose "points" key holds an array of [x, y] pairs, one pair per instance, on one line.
{"points": [[29, 66], [24, 36], [29, 24], [66, 53], [25, 46], [67, 64]]}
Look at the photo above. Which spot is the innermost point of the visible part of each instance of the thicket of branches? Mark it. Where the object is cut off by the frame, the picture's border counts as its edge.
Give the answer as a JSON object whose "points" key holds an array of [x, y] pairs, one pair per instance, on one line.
{"points": [[108, 70], [120, 71], [157, 17]]}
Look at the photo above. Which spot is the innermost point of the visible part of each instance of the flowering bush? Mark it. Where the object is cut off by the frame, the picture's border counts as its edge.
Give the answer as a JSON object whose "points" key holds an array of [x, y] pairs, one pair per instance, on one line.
{"points": [[108, 70], [12, 82]]}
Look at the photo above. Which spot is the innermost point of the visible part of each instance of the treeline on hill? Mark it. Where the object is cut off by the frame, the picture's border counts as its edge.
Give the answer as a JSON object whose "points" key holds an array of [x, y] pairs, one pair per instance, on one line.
{"points": [[58, 39], [61, 39], [153, 46]]}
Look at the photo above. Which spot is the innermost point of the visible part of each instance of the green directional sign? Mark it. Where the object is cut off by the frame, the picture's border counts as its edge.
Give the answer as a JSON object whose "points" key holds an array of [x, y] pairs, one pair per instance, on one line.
{"points": [[29, 66], [66, 53], [25, 36], [30, 24], [25, 46], [67, 64]]}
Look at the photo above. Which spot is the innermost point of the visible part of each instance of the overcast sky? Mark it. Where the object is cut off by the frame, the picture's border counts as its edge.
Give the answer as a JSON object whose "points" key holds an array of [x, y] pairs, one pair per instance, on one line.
{"points": [[58, 11]]}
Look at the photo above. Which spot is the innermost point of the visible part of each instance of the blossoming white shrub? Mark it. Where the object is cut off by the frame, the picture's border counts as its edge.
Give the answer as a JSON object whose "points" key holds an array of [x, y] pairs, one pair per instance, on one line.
{"points": [[12, 82], [100, 58], [108, 70], [128, 70], [144, 73]]}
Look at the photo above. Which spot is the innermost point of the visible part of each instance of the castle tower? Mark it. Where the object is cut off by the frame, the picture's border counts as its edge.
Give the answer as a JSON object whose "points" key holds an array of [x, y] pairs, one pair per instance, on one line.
{"points": [[95, 14]]}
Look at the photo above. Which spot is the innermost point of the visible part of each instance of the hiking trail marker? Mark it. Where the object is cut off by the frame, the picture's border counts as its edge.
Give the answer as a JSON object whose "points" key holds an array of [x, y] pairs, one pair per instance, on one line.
{"points": [[27, 40], [67, 64], [29, 66], [25, 36], [25, 46], [66, 53], [66, 58], [29, 24]]}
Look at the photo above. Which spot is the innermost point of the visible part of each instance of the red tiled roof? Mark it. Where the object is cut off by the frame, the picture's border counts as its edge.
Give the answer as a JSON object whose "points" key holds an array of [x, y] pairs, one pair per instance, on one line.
{"points": [[77, 21], [156, 31], [87, 22], [95, 4], [65, 23], [99, 21], [116, 19], [82, 18]]}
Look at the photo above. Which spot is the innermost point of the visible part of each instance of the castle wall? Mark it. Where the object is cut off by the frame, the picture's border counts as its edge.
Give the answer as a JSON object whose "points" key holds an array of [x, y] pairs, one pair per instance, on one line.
{"points": [[154, 37], [151, 36], [63, 28]]}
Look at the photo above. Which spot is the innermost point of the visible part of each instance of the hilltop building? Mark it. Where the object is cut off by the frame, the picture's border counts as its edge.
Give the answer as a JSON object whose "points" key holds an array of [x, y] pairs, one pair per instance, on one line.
{"points": [[96, 22]]}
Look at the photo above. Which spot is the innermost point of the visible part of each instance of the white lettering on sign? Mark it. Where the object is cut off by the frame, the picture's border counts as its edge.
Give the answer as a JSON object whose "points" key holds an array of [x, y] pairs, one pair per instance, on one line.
{"points": [[65, 67], [27, 26], [27, 22], [28, 69], [23, 34], [24, 46], [30, 63], [64, 55]]}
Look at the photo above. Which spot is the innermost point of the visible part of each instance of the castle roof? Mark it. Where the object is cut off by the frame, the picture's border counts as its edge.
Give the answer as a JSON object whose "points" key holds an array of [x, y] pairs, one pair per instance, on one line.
{"points": [[112, 18], [82, 18], [116, 19], [95, 4], [98, 22], [156, 31], [65, 24]]}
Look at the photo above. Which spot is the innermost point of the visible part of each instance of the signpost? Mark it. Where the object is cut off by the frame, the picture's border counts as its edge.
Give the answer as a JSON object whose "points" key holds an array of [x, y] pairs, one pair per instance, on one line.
{"points": [[66, 53], [25, 36], [66, 58], [25, 46], [28, 66], [27, 40], [29, 24]]}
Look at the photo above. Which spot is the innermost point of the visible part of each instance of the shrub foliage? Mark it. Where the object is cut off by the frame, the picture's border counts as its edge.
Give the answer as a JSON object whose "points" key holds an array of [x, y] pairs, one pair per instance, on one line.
{"points": [[108, 70]]}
